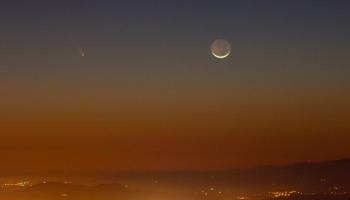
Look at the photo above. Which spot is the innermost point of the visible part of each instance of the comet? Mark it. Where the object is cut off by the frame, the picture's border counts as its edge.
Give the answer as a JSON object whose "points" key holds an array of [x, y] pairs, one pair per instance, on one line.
{"points": [[82, 53]]}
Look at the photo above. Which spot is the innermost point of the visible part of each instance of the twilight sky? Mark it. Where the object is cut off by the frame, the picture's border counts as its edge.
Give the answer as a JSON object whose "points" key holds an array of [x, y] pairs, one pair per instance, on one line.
{"points": [[148, 95]]}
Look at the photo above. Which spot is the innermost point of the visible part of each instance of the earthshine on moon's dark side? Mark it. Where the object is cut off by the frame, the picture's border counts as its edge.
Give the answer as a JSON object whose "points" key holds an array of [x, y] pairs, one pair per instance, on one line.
{"points": [[221, 48]]}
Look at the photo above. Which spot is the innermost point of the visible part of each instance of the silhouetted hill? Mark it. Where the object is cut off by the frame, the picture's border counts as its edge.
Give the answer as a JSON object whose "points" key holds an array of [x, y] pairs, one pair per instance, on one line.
{"points": [[308, 176], [318, 176]]}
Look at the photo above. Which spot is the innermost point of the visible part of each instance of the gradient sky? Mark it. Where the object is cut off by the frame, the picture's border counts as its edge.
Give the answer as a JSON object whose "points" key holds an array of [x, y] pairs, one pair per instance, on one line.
{"points": [[148, 95]]}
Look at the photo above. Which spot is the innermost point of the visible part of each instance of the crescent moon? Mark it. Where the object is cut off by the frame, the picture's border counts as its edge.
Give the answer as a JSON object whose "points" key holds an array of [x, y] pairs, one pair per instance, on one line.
{"points": [[221, 48]]}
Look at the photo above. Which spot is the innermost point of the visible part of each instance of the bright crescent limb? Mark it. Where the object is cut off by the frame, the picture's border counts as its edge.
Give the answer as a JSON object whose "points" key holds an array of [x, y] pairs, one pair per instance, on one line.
{"points": [[224, 56]]}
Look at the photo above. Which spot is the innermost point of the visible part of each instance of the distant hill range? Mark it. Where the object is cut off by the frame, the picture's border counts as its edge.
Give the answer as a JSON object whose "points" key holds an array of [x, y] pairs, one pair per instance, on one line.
{"points": [[308, 176], [320, 176]]}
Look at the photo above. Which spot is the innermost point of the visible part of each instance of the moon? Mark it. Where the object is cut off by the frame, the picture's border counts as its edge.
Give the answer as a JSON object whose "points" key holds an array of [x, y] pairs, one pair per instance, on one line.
{"points": [[221, 48]]}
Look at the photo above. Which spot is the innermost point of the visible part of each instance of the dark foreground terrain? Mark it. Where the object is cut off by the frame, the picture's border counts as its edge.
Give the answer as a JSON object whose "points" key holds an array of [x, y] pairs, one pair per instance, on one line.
{"points": [[315, 197], [303, 181]]}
